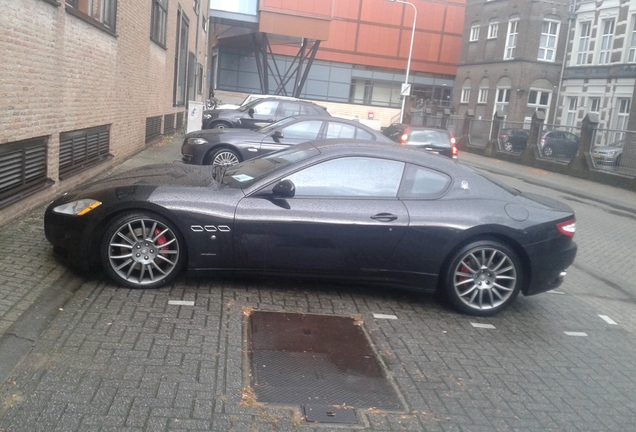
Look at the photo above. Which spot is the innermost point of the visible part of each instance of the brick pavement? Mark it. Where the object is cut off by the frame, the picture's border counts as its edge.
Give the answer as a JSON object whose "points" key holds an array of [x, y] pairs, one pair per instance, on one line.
{"points": [[119, 359]]}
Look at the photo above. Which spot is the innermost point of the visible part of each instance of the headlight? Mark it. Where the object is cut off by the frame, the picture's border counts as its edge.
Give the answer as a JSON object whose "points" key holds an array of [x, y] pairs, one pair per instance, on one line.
{"points": [[196, 141], [77, 208]]}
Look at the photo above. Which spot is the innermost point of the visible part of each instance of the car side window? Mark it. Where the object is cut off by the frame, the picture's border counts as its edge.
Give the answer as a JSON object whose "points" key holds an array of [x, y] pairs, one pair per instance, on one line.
{"points": [[303, 130], [350, 177], [289, 108], [364, 135], [340, 130], [423, 183], [266, 108]]}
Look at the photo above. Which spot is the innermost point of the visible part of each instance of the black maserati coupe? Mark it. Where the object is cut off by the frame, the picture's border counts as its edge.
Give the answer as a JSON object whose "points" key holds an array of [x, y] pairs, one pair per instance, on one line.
{"points": [[333, 209]]}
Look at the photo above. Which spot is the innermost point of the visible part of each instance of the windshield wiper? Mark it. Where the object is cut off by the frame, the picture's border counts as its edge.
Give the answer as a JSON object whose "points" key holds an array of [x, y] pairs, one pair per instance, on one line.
{"points": [[218, 171]]}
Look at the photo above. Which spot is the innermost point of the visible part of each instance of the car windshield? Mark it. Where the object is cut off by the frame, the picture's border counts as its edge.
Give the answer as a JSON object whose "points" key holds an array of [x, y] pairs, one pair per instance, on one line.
{"points": [[248, 172], [248, 105], [272, 127], [433, 137]]}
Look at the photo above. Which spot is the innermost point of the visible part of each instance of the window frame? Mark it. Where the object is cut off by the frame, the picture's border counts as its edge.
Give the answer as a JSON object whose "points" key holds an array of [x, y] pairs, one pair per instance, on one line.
{"points": [[631, 42], [465, 95], [180, 89], [482, 96], [585, 33], [474, 33], [100, 13], [549, 40], [493, 30], [606, 42], [511, 39], [159, 22]]}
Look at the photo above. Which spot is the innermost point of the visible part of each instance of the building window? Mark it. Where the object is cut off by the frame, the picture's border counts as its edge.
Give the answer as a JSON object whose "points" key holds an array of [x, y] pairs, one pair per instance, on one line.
{"points": [[482, 96], [474, 33], [493, 29], [103, 11], [623, 114], [595, 104], [372, 92], [572, 105], [465, 96], [607, 40], [181, 59], [84, 148], [538, 100], [511, 40], [503, 99], [158, 21], [548, 42], [584, 43], [631, 55], [23, 169]]}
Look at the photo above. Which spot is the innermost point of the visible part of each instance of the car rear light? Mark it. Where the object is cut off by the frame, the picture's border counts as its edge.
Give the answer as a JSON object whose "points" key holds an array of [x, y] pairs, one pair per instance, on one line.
{"points": [[567, 228], [454, 151], [405, 137]]}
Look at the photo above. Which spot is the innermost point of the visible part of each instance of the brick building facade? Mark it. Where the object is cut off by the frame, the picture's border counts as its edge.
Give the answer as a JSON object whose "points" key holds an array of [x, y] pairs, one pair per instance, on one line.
{"points": [[88, 83], [511, 58]]}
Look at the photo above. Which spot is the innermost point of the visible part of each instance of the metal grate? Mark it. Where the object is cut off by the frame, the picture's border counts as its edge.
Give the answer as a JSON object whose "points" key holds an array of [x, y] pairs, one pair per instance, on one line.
{"points": [[83, 148], [180, 116], [316, 359], [153, 128], [168, 124], [22, 166]]}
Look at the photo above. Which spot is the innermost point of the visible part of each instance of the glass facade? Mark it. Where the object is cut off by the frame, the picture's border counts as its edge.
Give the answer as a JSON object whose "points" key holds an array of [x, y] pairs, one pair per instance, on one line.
{"points": [[329, 81]]}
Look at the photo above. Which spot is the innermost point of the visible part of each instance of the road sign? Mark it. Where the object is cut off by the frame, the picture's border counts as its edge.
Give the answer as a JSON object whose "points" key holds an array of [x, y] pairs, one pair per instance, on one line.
{"points": [[406, 89]]}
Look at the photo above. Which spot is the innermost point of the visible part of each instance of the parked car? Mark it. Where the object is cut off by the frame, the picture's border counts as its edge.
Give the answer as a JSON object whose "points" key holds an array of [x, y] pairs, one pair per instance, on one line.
{"points": [[259, 113], [610, 154], [434, 140], [253, 97], [513, 140], [231, 146], [347, 210], [559, 143]]}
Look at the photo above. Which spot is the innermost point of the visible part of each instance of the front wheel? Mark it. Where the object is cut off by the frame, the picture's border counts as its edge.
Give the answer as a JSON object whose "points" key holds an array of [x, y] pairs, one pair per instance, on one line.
{"points": [[224, 157], [142, 250], [483, 278]]}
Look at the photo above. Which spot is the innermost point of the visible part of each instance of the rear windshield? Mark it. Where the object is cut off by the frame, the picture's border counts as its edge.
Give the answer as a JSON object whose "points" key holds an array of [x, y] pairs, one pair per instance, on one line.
{"points": [[433, 137]]}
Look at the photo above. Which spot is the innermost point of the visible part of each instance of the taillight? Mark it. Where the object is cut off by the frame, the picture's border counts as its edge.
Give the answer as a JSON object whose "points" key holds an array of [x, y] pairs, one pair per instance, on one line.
{"points": [[567, 228], [405, 137], [454, 151]]}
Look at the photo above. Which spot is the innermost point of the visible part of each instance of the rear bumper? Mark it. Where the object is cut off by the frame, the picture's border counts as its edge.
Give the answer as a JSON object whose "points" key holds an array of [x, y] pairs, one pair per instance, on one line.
{"points": [[549, 262]]}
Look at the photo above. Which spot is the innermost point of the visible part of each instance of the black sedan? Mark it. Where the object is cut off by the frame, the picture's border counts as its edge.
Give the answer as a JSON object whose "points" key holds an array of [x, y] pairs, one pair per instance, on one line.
{"points": [[231, 146], [259, 113], [332, 209]]}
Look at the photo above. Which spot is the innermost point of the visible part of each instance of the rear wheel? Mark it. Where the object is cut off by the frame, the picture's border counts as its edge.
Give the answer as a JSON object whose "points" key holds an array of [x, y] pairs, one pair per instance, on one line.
{"points": [[483, 278], [142, 250], [508, 146], [220, 125], [548, 151]]}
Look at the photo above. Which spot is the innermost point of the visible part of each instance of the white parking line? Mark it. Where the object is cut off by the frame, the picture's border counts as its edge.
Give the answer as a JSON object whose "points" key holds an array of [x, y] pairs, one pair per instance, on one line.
{"points": [[608, 320], [383, 316], [180, 302], [486, 326], [555, 292], [575, 333]]}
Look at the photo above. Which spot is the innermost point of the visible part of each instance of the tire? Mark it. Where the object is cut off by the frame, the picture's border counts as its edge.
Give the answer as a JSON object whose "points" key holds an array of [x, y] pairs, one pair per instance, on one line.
{"points": [[142, 250], [220, 125], [224, 157], [617, 163], [548, 151], [508, 146], [483, 278]]}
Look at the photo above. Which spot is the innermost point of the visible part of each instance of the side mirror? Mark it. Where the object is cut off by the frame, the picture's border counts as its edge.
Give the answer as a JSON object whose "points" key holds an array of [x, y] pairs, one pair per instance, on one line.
{"points": [[284, 189], [278, 135], [250, 112]]}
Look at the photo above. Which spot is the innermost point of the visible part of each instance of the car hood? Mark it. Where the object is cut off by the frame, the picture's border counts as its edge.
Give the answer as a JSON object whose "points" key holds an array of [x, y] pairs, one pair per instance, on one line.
{"points": [[175, 174]]}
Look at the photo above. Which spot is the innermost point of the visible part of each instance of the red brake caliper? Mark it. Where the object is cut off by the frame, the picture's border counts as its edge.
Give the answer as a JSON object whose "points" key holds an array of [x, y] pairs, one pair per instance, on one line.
{"points": [[161, 240]]}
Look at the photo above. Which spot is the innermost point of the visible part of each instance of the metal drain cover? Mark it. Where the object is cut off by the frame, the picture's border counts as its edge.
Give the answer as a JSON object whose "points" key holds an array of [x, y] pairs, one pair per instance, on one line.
{"points": [[329, 414], [315, 360]]}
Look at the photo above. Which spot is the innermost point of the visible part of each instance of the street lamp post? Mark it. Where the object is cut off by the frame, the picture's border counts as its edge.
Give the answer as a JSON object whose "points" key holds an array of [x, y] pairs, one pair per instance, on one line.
{"points": [[408, 63]]}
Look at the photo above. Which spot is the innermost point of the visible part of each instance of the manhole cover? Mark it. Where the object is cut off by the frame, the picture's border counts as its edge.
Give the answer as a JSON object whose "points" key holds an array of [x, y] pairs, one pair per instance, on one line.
{"points": [[315, 360]]}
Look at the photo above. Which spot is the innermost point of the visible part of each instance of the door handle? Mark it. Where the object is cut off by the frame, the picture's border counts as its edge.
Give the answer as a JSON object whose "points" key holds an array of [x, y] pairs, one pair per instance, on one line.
{"points": [[384, 217]]}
